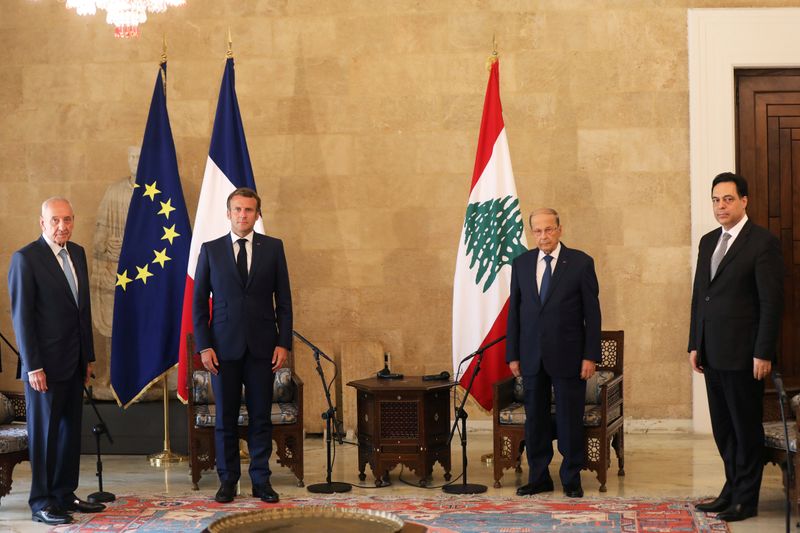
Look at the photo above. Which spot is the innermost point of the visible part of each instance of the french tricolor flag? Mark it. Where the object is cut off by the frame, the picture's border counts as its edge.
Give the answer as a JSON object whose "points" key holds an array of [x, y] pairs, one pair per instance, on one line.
{"points": [[227, 168]]}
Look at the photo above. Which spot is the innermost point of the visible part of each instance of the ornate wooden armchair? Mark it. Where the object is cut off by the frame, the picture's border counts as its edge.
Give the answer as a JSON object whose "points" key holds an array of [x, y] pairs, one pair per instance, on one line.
{"points": [[287, 419], [775, 439], [13, 441], [603, 417]]}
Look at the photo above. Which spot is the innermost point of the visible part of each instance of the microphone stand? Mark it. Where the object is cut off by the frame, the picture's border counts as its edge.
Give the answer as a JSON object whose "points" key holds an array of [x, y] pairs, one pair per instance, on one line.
{"points": [[331, 424], [461, 414], [782, 400], [98, 430]]}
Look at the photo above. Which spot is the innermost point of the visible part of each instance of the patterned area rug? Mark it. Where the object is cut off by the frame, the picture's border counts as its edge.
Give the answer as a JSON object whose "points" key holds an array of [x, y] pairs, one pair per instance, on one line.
{"points": [[446, 514]]}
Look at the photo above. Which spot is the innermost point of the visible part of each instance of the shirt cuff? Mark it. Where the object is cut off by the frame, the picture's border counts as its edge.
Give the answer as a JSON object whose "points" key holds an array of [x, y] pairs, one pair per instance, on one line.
{"points": [[32, 372]]}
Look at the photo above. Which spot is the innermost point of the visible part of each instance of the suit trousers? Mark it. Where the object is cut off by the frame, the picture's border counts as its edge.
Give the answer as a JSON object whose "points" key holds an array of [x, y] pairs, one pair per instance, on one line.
{"points": [[736, 404], [570, 397], [54, 441], [257, 377]]}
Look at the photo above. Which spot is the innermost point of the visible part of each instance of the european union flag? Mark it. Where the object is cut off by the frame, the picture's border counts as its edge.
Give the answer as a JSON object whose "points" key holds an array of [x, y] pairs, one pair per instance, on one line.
{"points": [[152, 265]]}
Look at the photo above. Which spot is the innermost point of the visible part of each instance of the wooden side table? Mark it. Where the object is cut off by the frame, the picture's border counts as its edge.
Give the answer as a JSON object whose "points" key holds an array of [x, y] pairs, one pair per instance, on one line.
{"points": [[402, 421]]}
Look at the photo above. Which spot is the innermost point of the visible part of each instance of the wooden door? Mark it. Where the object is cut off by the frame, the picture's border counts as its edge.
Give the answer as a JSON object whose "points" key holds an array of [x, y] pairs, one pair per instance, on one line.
{"points": [[768, 155]]}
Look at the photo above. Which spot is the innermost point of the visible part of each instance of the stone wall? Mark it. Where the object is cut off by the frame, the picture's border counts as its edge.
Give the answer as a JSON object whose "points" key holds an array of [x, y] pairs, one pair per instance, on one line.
{"points": [[362, 120]]}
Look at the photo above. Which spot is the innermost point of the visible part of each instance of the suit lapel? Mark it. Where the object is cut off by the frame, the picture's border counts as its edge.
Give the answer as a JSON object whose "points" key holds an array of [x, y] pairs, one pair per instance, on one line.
{"points": [[257, 259], [53, 266], [532, 274], [559, 271], [738, 244], [80, 270]]}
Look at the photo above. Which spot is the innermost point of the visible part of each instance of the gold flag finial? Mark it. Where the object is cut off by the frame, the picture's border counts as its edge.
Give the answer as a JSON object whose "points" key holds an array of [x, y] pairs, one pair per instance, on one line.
{"points": [[164, 49], [492, 58], [230, 44]]}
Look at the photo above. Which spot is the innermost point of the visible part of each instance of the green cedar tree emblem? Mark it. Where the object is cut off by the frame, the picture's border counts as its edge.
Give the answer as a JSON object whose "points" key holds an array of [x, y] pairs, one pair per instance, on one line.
{"points": [[493, 233]]}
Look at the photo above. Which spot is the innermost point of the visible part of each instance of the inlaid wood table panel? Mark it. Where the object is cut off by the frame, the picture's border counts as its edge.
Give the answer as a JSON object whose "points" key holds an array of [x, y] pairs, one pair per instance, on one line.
{"points": [[402, 421]]}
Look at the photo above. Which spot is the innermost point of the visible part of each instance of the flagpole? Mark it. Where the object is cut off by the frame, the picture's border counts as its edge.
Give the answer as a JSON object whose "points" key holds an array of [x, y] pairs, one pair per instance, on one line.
{"points": [[166, 456]]}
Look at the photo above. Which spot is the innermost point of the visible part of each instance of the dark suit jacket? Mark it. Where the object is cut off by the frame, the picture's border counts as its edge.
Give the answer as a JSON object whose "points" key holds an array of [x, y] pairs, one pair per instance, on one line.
{"points": [[53, 332], [566, 326], [256, 317], [736, 316]]}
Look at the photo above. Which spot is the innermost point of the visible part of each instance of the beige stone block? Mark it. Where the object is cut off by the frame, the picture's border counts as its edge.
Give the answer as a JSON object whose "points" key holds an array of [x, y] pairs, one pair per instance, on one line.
{"points": [[514, 31], [445, 151], [13, 167], [593, 71], [646, 29], [321, 76], [305, 36], [358, 359], [192, 155], [656, 70], [117, 121], [101, 83], [191, 80], [272, 156], [265, 78], [654, 149], [11, 85], [55, 161], [599, 150], [43, 122], [666, 264], [390, 154], [327, 155], [402, 33], [189, 118]]}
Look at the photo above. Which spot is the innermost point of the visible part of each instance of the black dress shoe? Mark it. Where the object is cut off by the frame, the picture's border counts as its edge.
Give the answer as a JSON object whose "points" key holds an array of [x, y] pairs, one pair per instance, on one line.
{"points": [[79, 506], [574, 491], [225, 493], [266, 493], [535, 488], [52, 516], [720, 504], [737, 512]]}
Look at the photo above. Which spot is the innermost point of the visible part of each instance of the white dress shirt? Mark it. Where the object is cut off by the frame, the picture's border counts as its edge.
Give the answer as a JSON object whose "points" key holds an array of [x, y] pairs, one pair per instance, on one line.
{"points": [[541, 264], [733, 232], [247, 246]]}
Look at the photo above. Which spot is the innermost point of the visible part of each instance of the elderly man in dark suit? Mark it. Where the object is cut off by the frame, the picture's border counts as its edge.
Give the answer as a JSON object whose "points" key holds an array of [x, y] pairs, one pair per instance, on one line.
{"points": [[737, 304], [553, 340], [49, 286], [244, 338]]}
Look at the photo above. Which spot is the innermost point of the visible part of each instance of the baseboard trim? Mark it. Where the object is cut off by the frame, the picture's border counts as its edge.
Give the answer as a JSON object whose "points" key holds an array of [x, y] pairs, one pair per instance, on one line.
{"points": [[640, 425]]}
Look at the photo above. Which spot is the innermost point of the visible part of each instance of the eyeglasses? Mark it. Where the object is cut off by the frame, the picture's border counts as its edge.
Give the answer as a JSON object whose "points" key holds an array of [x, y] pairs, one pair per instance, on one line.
{"points": [[546, 231]]}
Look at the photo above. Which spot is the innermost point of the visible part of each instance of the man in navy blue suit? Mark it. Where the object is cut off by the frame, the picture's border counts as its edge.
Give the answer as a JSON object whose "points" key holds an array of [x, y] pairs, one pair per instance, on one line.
{"points": [[243, 337], [553, 340], [49, 286]]}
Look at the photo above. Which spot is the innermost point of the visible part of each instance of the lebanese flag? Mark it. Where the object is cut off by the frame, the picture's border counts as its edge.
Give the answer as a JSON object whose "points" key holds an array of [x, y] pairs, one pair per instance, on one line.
{"points": [[227, 168], [493, 234]]}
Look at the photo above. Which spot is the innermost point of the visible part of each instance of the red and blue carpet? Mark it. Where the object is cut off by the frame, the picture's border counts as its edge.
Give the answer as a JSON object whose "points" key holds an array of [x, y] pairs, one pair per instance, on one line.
{"points": [[446, 514]]}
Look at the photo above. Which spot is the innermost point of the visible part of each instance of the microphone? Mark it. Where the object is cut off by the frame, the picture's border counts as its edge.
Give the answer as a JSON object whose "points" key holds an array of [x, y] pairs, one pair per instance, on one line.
{"points": [[778, 380]]}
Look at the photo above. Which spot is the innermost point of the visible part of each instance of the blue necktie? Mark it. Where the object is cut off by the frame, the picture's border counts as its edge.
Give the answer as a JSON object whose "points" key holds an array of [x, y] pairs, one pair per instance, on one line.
{"points": [[68, 273], [548, 273]]}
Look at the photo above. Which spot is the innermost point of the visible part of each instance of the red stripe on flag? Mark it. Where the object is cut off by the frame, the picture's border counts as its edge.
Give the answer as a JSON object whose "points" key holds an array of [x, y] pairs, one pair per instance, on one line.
{"points": [[493, 366], [491, 124], [186, 328]]}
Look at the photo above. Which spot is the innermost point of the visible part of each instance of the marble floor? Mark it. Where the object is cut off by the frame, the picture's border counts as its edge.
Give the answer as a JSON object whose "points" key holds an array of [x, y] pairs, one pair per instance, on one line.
{"points": [[656, 465]]}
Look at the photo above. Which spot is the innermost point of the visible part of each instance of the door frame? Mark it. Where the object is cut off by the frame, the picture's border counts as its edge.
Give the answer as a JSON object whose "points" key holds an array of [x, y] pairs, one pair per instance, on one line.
{"points": [[721, 40]]}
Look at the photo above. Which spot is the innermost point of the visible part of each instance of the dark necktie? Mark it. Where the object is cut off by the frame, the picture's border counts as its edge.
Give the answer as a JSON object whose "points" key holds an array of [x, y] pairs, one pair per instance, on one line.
{"points": [[548, 273], [241, 260]]}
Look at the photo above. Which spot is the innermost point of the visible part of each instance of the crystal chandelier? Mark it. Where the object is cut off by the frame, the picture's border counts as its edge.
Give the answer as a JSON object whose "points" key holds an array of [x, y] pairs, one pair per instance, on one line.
{"points": [[124, 15]]}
